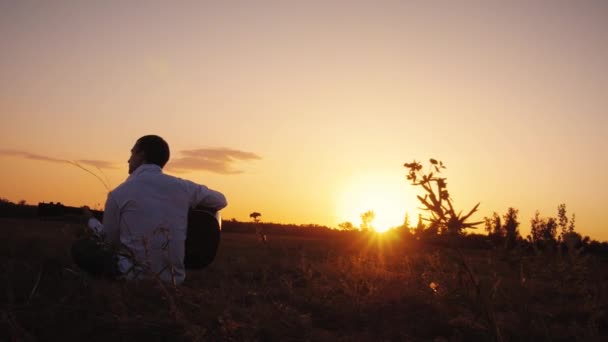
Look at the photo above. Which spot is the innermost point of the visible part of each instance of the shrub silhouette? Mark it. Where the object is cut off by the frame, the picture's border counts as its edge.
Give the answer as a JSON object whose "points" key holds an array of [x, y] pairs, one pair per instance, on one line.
{"points": [[366, 220], [346, 226], [503, 234], [566, 226], [511, 228], [255, 216]]}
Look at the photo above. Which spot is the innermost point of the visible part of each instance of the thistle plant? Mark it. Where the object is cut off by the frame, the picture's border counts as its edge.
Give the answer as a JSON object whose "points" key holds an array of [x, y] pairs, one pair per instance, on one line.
{"points": [[444, 217], [437, 199]]}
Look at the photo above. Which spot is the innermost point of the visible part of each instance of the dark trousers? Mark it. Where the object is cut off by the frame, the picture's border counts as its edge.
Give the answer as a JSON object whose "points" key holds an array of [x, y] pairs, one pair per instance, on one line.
{"points": [[95, 257]]}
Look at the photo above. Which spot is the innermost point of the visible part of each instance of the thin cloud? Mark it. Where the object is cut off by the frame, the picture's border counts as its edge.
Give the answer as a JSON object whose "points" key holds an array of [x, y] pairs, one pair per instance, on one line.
{"points": [[219, 160], [101, 164]]}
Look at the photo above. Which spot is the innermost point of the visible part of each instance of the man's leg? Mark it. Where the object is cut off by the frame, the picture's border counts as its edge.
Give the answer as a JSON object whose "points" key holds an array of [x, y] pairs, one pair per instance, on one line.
{"points": [[95, 257]]}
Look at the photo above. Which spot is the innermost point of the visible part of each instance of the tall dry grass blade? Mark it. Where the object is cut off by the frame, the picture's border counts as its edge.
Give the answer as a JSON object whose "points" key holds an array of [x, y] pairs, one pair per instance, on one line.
{"points": [[90, 172], [104, 175], [36, 284]]}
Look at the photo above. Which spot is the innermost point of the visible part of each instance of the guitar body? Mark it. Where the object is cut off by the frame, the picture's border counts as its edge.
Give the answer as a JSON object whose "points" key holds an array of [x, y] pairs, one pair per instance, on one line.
{"points": [[202, 237]]}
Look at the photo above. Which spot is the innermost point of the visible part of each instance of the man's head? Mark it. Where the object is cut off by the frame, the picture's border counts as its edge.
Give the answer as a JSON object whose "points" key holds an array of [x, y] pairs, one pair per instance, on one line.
{"points": [[149, 149]]}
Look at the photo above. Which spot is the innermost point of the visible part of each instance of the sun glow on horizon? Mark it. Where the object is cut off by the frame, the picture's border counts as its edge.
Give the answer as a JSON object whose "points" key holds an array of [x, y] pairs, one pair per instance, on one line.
{"points": [[386, 196]]}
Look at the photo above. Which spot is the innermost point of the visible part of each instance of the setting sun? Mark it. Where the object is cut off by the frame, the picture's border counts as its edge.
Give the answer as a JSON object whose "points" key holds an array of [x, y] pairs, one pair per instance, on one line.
{"points": [[385, 195]]}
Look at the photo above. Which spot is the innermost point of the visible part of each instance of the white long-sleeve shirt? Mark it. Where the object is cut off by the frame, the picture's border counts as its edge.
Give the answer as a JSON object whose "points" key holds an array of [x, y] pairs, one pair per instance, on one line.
{"points": [[148, 213]]}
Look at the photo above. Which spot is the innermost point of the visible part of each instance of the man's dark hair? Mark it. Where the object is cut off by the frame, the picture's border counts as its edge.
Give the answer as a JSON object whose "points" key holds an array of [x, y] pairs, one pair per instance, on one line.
{"points": [[155, 149]]}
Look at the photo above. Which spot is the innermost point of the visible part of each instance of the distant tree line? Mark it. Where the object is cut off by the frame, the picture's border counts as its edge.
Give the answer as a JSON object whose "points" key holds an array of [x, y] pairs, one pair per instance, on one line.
{"points": [[19, 209], [443, 228], [234, 226]]}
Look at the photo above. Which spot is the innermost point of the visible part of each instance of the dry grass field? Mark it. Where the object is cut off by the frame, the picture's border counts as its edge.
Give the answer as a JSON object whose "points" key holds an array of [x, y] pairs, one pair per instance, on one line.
{"points": [[356, 288]]}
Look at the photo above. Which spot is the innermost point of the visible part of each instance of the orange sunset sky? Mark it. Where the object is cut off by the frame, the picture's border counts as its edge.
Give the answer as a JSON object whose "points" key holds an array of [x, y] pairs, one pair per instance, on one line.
{"points": [[306, 111]]}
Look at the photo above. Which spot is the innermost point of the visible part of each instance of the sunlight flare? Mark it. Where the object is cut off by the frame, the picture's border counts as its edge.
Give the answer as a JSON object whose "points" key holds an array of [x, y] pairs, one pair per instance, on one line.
{"points": [[386, 195]]}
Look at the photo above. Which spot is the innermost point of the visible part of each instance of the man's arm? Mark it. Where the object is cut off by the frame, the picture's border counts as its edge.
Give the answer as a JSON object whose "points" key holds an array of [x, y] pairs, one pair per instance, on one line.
{"points": [[207, 198], [111, 221]]}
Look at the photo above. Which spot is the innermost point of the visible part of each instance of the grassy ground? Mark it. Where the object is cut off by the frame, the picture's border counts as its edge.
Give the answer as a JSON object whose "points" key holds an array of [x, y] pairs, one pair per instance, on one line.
{"points": [[303, 289]]}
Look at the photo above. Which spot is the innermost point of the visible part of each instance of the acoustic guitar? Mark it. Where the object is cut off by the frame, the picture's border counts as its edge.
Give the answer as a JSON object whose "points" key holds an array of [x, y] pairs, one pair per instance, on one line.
{"points": [[202, 237]]}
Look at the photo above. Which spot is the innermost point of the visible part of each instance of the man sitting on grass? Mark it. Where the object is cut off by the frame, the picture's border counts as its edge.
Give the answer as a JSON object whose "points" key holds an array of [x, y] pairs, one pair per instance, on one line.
{"points": [[145, 220]]}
